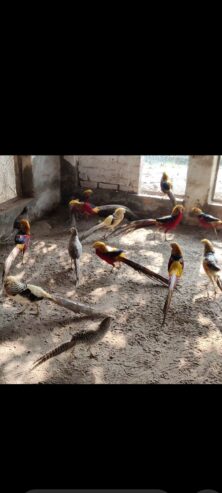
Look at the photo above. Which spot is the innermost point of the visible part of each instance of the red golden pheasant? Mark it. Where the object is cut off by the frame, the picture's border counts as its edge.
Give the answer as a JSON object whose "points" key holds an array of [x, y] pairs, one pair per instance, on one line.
{"points": [[76, 205], [88, 209], [206, 220], [166, 223], [84, 208], [114, 256]]}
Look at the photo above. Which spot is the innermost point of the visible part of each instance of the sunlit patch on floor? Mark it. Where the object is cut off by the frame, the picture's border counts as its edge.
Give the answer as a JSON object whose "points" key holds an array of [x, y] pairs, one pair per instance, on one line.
{"points": [[70, 293], [116, 340], [98, 292]]}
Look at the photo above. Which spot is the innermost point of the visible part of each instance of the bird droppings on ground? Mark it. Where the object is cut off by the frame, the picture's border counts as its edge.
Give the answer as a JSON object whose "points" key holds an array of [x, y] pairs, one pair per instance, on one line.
{"points": [[188, 349]]}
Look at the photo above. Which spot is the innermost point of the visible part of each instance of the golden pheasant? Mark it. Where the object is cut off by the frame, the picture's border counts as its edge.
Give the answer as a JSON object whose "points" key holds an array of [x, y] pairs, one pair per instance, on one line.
{"points": [[114, 256], [81, 207], [86, 194], [22, 238], [76, 204], [206, 220], [210, 264], [23, 293], [88, 209], [111, 222], [167, 223], [29, 293], [23, 215], [166, 187], [22, 241], [175, 270]]}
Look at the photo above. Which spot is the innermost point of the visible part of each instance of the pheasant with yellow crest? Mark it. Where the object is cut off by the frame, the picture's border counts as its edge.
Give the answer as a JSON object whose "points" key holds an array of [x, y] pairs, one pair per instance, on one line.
{"points": [[166, 187], [166, 223], [22, 241], [115, 256], [175, 270], [110, 223], [210, 265]]}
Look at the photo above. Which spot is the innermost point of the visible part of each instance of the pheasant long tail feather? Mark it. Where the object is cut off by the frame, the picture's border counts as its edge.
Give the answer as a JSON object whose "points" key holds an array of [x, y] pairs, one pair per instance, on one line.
{"points": [[76, 307], [85, 337], [129, 228], [171, 197], [111, 207], [149, 273], [94, 336], [90, 231], [55, 352], [121, 230], [110, 233], [9, 261], [172, 285]]}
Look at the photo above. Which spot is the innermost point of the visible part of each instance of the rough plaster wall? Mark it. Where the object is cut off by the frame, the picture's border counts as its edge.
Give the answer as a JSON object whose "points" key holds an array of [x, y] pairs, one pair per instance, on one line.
{"points": [[200, 181], [8, 214], [7, 178], [46, 183], [42, 184], [110, 172]]}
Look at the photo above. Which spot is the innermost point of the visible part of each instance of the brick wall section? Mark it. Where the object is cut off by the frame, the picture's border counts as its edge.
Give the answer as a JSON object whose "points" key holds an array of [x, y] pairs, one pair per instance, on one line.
{"points": [[110, 172]]}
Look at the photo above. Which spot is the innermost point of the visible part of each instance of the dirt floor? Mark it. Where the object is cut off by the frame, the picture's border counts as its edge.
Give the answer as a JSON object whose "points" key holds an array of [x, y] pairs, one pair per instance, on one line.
{"points": [[136, 349]]}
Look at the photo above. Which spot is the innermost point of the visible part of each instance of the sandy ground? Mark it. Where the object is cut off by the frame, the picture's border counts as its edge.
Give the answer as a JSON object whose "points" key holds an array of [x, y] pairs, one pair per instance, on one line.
{"points": [[136, 350]]}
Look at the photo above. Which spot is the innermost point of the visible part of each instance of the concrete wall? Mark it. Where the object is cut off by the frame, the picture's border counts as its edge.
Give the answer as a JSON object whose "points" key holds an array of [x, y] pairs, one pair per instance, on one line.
{"points": [[40, 189], [7, 178], [46, 184], [200, 185]]}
